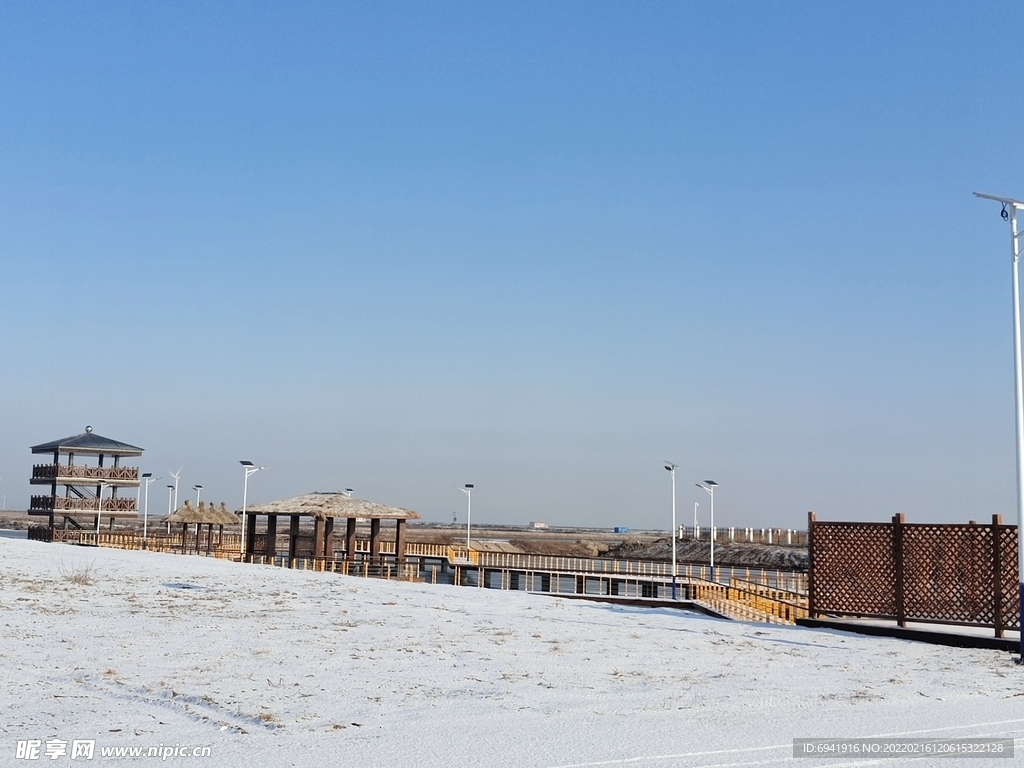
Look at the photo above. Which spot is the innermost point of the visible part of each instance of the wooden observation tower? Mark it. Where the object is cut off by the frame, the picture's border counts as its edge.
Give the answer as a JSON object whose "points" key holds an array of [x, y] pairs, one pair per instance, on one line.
{"points": [[85, 484]]}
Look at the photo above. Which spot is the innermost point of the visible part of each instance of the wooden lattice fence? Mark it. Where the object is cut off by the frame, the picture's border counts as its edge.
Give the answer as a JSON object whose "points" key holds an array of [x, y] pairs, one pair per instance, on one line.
{"points": [[941, 573]]}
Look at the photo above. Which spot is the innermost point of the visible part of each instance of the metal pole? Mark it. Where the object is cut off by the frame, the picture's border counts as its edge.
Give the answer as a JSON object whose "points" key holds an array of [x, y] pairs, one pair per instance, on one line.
{"points": [[1009, 212], [695, 505], [469, 514], [245, 499], [712, 533], [145, 514], [675, 588], [99, 512], [1018, 381]]}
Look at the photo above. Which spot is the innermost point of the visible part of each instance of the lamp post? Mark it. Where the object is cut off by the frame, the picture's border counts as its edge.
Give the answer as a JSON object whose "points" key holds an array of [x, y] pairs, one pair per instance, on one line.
{"points": [[170, 507], [695, 505], [1009, 213], [249, 469], [672, 471], [99, 506], [468, 490], [148, 478], [198, 489], [709, 486]]}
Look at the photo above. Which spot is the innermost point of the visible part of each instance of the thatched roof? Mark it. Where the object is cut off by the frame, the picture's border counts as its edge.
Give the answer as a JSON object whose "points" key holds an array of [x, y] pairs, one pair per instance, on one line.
{"points": [[322, 505], [203, 515]]}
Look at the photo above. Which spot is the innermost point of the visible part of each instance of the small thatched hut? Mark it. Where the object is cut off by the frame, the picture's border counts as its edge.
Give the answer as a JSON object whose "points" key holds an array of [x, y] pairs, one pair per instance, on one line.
{"points": [[324, 508], [204, 514]]}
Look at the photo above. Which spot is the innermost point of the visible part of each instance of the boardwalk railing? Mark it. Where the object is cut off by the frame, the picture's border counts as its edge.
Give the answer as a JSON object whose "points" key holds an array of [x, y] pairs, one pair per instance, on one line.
{"points": [[750, 601]]}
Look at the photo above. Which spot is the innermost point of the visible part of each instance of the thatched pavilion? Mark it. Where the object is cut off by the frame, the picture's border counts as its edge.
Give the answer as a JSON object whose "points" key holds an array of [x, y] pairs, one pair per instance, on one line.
{"points": [[323, 508], [209, 516]]}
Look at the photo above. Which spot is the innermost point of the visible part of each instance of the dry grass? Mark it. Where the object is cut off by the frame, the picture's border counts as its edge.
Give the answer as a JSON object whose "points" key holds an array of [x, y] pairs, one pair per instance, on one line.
{"points": [[79, 573]]}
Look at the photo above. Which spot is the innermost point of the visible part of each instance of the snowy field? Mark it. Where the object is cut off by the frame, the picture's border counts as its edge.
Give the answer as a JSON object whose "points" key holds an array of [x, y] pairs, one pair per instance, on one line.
{"points": [[272, 667]]}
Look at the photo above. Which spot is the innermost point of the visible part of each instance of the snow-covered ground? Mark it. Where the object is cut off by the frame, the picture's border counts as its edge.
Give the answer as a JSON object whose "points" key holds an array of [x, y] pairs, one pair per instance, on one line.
{"points": [[272, 667]]}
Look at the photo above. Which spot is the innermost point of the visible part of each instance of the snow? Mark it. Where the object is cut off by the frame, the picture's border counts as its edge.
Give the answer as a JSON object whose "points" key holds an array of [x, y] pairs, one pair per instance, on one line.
{"points": [[272, 667]]}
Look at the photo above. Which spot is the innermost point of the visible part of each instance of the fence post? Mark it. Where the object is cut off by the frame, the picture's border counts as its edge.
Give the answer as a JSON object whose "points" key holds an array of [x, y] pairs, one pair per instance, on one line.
{"points": [[997, 574], [897, 553], [811, 518]]}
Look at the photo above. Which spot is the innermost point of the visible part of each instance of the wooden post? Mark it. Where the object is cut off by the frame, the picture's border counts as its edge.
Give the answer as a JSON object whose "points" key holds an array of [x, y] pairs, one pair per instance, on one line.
{"points": [[329, 538], [811, 520], [350, 538], [897, 553], [293, 540], [997, 575], [375, 540], [250, 538], [400, 540], [270, 540], [318, 537]]}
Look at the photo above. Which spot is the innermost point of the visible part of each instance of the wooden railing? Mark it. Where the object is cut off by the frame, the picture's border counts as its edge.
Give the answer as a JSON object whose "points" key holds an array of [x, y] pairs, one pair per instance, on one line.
{"points": [[75, 504], [83, 472], [749, 601]]}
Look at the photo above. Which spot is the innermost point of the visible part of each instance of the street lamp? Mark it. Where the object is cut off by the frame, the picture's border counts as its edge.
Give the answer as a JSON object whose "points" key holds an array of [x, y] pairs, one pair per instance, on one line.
{"points": [[198, 489], [709, 486], [249, 469], [672, 470], [1009, 213], [695, 505], [468, 490], [170, 507], [148, 478]]}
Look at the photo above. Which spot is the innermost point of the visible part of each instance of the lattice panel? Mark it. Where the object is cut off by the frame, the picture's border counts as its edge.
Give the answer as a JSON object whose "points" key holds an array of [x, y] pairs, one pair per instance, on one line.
{"points": [[948, 573], [259, 544], [854, 571], [304, 545], [1009, 576]]}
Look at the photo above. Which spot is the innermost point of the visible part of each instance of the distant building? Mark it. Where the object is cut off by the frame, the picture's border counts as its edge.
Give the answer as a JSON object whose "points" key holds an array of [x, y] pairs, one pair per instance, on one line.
{"points": [[537, 525]]}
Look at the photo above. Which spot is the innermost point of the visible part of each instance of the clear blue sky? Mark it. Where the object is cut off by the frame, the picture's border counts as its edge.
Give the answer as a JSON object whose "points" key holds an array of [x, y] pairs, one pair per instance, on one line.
{"points": [[540, 247]]}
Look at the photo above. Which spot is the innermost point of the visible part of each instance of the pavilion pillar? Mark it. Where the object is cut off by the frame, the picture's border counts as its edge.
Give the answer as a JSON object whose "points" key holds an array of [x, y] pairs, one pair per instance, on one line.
{"points": [[270, 549], [350, 538], [400, 540], [293, 540], [329, 538], [375, 540], [250, 538], [318, 537]]}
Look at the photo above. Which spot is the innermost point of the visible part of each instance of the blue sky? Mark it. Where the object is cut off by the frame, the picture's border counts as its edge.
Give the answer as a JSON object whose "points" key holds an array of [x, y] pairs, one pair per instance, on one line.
{"points": [[539, 247]]}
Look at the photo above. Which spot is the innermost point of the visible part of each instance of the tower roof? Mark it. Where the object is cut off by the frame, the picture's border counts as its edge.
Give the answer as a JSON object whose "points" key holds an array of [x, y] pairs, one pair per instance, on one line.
{"points": [[88, 442]]}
